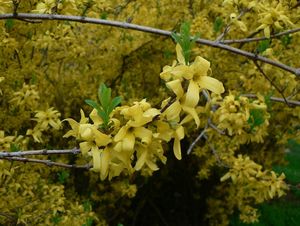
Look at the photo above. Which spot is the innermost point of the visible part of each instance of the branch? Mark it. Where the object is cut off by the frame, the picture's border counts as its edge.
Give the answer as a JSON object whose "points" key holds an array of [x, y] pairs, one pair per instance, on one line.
{"points": [[246, 40], [47, 162], [227, 28], [271, 81], [275, 99], [196, 140], [5, 154], [152, 30]]}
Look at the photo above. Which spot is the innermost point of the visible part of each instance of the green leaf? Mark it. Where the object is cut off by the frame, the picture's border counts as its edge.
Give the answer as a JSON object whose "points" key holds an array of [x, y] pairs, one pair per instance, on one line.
{"points": [[93, 104], [185, 40], [286, 40], [9, 24], [104, 95], [89, 222], [268, 99], [63, 176], [263, 45], [14, 147], [87, 206], [256, 118], [103, 15], [114, 103], [218, 24]]}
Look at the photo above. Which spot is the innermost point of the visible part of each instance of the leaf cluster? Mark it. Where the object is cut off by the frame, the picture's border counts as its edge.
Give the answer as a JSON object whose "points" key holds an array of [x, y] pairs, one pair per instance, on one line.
{"points": [[106, 106]]}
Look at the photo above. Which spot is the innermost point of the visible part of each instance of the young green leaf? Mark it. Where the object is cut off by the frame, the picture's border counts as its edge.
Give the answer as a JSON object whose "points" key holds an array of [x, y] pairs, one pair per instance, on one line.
{"points": [[218, 24], [256, 118], [263, 45], [104, 95], [114, 103], [93, 104], [185, 40]]}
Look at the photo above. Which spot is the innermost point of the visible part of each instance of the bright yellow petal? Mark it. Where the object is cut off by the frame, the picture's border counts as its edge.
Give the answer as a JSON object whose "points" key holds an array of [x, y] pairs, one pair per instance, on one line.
{"points": [[128, 142], [101, 139], [180, 56], [95, 117], [177, 149], [104, 164], [96, 159], [192, 95], [176, 87], [141, 160], [212, 84], [179, 135], [193, 113], [144, 134], [85, 147], [121, 134], [182, 71], [172, 112], [200, 66], [151, 165], [150, 113]]}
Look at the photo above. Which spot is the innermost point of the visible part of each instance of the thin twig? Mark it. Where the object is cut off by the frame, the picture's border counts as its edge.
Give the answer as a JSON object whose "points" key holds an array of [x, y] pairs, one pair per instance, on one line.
{"points": [[73, 151], [47, 162], [214, 151], [213, 126], [152, 30], [227, 28], [275, 99], [196, 140], [271, 81], [246, 40]]}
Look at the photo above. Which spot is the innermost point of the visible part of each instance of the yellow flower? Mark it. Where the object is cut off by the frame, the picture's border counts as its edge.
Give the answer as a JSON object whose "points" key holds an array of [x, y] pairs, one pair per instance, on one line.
{"points": [[5, 141], [48, 117], [75, 125], [147, 155], [92, 137], [36, 133]]}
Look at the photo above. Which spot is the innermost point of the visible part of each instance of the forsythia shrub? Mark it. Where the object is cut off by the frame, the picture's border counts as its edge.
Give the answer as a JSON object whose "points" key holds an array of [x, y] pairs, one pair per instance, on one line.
{"points": [[233, 114]]}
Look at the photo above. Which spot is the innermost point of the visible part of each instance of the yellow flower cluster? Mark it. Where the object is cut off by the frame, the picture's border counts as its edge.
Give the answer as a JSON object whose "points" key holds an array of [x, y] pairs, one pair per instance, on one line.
{"points": [[273, 16], [26, 98], [45, 121], [250, 183], [243, 118], [139, 130]]}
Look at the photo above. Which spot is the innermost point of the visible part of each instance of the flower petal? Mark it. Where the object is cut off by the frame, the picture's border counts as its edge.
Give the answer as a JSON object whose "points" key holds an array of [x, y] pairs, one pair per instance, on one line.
{"points": [[144, 134], [180, 56], [176, 87], [193, 113], [179, 135], [173, 111], [212, 84], [192, 95]]}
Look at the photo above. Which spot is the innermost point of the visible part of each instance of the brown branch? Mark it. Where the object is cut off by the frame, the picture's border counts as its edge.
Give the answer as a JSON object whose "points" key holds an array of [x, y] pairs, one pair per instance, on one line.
{"points": [[152, 30], [275, 99], [73, 151], [271, 81], [246, 40], [47, 162]]}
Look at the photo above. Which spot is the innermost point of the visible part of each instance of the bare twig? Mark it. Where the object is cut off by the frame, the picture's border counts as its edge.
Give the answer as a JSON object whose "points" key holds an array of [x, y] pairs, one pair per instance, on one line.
{"points": [[152, 30], [214, 151], [246, 40], [196, 140], [73, 151], [227, 28], [213, 126], [47, 162], [275, 99], [271, 81]]}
